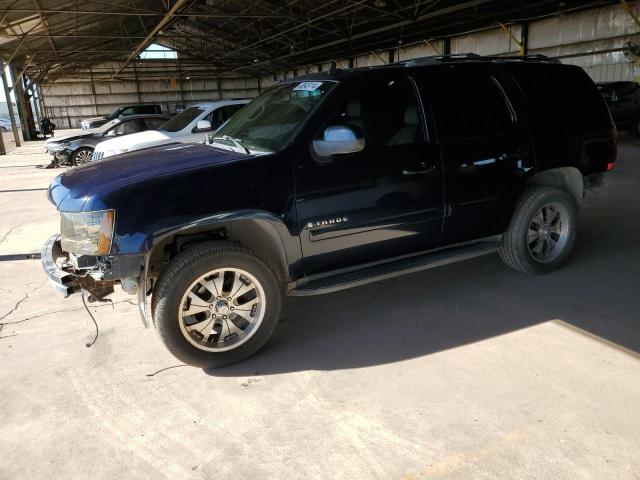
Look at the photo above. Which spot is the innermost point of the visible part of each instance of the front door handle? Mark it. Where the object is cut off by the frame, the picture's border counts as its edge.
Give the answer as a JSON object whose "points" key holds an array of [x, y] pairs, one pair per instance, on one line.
{"points": [[422, 170]]}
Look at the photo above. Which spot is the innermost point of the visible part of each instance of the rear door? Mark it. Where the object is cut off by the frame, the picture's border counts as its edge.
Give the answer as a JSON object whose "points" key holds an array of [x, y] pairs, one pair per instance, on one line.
{"points": [[382, 202], [485, 147]]}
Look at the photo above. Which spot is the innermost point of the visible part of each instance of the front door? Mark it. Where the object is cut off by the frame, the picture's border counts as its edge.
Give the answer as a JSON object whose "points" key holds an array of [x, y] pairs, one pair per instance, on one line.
{"points": [[382, 202]]}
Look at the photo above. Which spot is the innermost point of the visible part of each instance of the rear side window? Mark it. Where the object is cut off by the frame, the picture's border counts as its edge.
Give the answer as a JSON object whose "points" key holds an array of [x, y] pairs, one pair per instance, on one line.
{"points": [[561, 95], [467, 103]]}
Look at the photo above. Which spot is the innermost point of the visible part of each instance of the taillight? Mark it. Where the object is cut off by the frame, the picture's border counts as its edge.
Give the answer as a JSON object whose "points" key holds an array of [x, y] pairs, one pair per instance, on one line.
{"points": [[610, 166]]}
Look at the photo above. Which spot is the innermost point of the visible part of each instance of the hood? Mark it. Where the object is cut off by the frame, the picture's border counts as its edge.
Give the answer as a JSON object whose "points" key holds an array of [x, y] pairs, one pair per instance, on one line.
{"points": [[82, 187], [69, 138], [136, 141], [94, 119]]}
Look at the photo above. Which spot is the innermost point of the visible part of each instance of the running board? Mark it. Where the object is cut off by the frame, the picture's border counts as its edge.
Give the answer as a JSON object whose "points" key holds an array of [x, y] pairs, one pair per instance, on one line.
{"points": [[395, 268]]}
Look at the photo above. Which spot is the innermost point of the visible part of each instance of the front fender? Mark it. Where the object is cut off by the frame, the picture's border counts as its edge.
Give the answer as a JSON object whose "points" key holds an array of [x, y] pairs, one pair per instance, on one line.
{"points": [[262, 232]]}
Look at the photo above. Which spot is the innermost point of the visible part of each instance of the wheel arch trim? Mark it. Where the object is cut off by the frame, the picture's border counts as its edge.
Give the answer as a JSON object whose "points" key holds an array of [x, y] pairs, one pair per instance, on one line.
{"points": [[569, 179]]}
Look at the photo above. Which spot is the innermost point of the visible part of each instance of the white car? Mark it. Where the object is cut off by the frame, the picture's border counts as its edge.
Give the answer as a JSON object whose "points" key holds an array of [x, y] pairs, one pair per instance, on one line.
{"points": [[190, 126]]}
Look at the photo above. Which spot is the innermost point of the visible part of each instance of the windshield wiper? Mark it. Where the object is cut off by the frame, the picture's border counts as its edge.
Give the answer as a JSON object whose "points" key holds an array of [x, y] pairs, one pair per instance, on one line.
{"points": [[235, 142]]}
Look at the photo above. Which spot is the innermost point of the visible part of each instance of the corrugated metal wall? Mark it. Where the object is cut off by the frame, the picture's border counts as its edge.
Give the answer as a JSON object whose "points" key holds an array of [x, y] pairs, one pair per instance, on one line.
{"points": [[573, 37]]}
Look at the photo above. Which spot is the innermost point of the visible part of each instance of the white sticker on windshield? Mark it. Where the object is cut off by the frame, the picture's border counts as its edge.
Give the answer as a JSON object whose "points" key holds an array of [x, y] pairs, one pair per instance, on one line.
{"points": [[308, 86]]}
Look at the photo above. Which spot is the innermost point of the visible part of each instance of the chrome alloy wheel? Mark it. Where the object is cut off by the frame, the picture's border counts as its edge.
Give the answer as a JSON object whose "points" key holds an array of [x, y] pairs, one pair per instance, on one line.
{"points": [[83, 156], [222, 309], [548, 232]]}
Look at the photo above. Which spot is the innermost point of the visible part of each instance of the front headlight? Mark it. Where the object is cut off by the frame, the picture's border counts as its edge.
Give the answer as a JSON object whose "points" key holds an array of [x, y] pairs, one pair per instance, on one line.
{"points": [[87, 233], [56, 147]]}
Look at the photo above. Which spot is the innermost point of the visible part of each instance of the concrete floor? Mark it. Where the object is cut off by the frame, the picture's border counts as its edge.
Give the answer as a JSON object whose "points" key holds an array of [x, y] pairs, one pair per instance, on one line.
{"points": [[467, 371]]}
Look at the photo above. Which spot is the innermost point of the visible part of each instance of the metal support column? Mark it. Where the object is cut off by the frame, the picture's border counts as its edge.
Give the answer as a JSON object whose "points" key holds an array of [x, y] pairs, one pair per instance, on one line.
{"points": [[18, 91], [12, 116], [34, 96], [135, 75], [525, 38], [3, 149], [446, 46], [93, 91], [515, 39]]}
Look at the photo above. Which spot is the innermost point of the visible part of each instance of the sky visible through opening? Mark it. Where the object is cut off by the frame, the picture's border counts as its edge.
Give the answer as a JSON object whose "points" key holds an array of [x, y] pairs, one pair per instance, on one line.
{"points": [[156, 51]]}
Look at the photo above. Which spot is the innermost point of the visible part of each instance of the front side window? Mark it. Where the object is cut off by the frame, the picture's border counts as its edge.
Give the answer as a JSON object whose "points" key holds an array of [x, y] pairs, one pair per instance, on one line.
{"points": [[124, 128], [384, 112], [267, 123], [183, 119], [103, 129]]}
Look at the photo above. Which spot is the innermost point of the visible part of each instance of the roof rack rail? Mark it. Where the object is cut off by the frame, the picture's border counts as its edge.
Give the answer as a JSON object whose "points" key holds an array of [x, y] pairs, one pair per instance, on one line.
{"points": [[475, 57]]}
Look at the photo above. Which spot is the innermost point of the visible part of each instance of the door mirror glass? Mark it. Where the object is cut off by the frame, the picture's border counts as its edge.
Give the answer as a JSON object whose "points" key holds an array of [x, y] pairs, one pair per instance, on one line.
{"points": [[202, 126], [338, 139]]}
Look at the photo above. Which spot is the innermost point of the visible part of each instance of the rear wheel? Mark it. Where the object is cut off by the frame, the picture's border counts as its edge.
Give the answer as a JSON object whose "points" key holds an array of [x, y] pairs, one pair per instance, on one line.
{"points": [[542, 231], [216, 304], [82, 156]]}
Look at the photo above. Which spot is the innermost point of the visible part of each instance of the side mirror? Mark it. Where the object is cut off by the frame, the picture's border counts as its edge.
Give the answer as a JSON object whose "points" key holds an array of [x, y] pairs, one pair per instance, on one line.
{"points": [[202, 126], [336, 140]]}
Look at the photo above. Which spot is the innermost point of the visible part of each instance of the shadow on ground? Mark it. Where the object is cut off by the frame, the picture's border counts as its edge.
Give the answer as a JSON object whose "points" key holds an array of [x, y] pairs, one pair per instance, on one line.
{"points": [[451, 306]]}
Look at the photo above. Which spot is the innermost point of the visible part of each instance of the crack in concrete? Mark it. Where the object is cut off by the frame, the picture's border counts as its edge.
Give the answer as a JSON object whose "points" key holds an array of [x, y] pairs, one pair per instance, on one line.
{"points": [[166, 368], [60, 311], [4, 237], [15, 307]]}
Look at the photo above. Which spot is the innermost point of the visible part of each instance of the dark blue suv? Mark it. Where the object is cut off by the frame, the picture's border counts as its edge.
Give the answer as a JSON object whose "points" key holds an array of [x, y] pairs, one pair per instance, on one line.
{"points": [[331, 181]]}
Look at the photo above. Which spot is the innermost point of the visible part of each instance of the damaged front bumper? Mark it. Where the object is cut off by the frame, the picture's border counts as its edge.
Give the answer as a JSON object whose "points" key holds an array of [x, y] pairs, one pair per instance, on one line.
{"points": [[63, 280], [97, 276]]}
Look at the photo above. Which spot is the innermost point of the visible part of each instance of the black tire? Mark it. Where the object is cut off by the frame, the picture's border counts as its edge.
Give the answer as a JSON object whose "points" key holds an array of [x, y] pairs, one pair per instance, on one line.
{"points": [[515, 250], [3, 129], [176, 280], [79, 156]]}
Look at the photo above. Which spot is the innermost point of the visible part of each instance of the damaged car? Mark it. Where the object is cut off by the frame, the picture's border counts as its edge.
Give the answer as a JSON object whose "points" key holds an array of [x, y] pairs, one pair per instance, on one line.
{"points": [[332, 181]]}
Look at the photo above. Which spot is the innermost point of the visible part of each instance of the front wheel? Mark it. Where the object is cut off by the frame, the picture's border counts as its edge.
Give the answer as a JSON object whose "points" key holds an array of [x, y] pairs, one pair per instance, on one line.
{"points": [[82, 156], [542, 231], [216, 304]]}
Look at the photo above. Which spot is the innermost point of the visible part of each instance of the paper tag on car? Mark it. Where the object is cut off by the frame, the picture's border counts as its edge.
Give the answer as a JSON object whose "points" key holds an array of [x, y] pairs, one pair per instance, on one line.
{"points": [[307, 86]]}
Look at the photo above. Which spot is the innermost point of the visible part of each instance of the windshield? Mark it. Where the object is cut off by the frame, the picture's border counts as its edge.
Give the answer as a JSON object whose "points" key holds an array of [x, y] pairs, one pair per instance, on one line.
{"points": [[183, 119], [266, 124], [116, 113]]}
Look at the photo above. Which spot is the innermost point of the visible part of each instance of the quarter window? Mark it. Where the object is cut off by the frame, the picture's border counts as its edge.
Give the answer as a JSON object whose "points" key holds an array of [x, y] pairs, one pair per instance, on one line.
{"points": [[561, 94]]}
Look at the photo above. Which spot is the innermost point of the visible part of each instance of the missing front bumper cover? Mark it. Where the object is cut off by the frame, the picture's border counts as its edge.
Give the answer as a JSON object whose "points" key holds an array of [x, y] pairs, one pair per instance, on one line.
{"points": [[63, 276]]}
